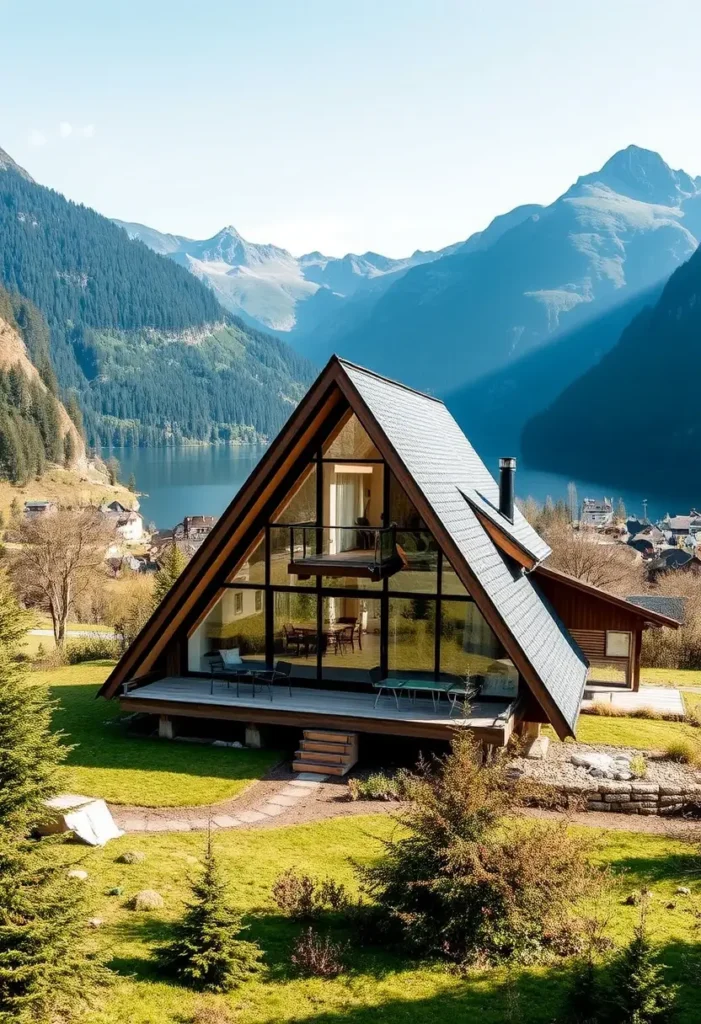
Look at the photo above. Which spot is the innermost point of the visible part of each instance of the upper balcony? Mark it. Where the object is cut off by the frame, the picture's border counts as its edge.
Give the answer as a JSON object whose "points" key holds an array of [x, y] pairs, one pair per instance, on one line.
{"points": [[360, 551]]}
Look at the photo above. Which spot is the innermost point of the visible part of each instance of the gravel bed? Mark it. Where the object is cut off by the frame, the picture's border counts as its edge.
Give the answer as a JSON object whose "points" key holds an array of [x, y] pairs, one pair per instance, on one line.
{"points": [[557, 769]]}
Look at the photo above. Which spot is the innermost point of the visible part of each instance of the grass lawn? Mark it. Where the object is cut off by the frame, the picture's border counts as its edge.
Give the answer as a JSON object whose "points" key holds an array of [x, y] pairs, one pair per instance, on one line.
{"points": [[379, 986], [151, 772], [670, 677], [641, 733]]}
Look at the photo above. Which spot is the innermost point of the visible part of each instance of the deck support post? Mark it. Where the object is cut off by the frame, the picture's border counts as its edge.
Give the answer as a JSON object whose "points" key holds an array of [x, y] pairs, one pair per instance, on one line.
{"points": [[166, 727], [253, 736], [529, 730]]}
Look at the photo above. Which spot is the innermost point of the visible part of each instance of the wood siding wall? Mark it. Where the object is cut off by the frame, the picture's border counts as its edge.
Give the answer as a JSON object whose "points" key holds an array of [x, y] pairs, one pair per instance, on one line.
{"points": [[588, 618]]}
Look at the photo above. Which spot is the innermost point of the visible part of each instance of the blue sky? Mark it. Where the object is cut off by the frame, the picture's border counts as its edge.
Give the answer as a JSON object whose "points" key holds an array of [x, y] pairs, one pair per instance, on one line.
{"points": [[318, 124]]}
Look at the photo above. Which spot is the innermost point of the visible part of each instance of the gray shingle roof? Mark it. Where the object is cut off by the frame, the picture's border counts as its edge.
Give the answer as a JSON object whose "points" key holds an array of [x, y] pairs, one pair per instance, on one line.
{"points": [[673, 607], [443, 463]]}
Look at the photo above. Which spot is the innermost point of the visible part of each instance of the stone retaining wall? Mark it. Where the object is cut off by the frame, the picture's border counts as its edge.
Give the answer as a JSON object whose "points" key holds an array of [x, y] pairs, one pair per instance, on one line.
{"points": [[638, 797]]}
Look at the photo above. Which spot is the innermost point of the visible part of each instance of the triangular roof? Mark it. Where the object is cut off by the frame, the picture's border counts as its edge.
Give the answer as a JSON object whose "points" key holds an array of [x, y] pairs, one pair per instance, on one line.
{"points": [[456, 497]]}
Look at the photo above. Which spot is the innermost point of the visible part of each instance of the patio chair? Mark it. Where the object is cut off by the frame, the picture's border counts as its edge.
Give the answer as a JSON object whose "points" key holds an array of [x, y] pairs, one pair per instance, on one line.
{"points": [[292, 636], [354, 630], [461, 692], [218, 669]]}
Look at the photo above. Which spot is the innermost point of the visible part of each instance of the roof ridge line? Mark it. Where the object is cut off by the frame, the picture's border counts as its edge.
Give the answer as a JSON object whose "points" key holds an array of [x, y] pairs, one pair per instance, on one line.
{"points": [[388, 380]]}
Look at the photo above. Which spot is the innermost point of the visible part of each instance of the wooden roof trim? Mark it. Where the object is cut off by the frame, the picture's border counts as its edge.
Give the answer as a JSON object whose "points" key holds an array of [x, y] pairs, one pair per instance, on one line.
{"points": [[319, 402], [655, 618], [456, 558], [505, 543]]}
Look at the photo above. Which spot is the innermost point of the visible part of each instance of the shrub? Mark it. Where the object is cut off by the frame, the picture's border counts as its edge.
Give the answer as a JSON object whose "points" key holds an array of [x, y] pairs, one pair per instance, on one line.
{"points": [[638, 766], [318, 956], [303, 898], [97, 648], [457, 884], [682, 751], [378, 786]]}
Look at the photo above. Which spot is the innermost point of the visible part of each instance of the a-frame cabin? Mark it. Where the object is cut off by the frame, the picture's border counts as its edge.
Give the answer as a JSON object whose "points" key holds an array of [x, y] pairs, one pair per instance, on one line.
{"points": [[372, 577]]}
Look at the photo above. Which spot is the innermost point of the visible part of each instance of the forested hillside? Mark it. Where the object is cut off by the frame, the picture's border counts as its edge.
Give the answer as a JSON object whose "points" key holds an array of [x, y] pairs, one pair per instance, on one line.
{"points": [[634, 417], [34, 427], [146, 347]]}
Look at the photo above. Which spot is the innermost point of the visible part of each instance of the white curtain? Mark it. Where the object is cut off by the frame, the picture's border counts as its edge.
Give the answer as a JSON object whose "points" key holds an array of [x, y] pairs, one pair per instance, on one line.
{"points": [[349, 506]]}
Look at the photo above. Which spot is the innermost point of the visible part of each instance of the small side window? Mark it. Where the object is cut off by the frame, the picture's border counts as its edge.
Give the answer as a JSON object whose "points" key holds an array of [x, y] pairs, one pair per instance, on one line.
{"points": [[617, 644]]}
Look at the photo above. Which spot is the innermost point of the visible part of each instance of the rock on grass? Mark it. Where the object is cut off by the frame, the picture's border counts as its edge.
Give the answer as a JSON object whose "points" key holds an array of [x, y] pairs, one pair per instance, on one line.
{"points": [[147, 899], [131, 857]]}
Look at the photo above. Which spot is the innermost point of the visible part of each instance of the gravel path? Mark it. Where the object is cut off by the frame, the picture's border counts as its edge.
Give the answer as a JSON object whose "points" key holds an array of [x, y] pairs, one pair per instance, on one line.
{"points": [[283, 797], [274, 801]]}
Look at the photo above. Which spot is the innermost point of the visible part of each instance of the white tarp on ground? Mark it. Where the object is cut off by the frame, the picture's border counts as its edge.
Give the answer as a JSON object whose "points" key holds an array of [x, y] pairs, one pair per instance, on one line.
{"points": [[88, 818]]}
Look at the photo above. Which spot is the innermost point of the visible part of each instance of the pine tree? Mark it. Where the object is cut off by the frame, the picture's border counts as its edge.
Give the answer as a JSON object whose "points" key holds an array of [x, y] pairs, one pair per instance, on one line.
{"points": [[639, 993], [44, 969], [46, 974], [68, 450], [132, 483], [207, 952], [31, 754], [172, 563]]}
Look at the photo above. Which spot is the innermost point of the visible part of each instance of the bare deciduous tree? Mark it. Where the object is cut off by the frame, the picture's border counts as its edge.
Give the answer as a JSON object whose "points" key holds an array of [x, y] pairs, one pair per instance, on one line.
{"points": [[588, 556], [60, 557]]}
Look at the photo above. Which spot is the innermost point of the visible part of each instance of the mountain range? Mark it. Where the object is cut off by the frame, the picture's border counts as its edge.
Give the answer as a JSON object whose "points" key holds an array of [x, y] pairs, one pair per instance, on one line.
{"points": [[267, 286], [147, 349]]}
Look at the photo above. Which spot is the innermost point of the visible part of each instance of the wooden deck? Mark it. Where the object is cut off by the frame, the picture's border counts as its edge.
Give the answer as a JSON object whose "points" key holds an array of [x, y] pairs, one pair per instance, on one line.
{"points": [[332, 709]]}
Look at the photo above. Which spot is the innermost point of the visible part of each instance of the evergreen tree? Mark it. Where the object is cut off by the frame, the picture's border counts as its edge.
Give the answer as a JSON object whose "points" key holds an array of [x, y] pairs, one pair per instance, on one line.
{"points": [[112, 465], [68, 450], [44, 968], [31, 754], [172, 563], [207, 951], [639, 994], [132, 483], [620, 510]]}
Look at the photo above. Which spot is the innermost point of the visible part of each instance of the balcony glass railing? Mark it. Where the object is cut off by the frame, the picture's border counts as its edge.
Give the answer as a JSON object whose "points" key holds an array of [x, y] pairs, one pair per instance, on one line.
{"points": [[371, 550]]}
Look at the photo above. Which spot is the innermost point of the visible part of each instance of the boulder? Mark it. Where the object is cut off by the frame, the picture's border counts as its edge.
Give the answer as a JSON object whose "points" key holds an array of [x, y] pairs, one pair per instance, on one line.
{"points": [[131, 857], [77, 873], [147, 899]]}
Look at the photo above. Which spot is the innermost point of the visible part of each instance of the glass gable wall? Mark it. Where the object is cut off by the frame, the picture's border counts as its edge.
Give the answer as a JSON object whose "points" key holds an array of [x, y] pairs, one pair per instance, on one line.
{"points": [[418, 622]]}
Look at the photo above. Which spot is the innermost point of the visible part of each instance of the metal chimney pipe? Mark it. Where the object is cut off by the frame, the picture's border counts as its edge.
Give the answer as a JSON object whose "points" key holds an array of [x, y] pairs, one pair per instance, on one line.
{"points": [[507, 472]]}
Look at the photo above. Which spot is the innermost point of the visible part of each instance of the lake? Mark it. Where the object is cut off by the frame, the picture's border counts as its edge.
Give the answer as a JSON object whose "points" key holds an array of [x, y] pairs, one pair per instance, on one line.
{"points": [[185, 481]]}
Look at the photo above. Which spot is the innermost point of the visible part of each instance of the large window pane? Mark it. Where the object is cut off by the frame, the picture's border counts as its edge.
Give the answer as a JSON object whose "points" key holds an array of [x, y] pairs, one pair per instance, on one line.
{"points": [[295, 636], [468, 645], [252, 569], [352, 442], [236, 622], [450, 584], [350, 641], [280, 557], [411, 636], [300, 506], [420, 553], [401, 509], [352, 504]]}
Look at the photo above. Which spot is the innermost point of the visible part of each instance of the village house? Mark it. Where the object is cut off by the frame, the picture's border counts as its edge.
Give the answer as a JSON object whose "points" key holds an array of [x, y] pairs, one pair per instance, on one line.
{"points": [[194, 529], [128, 524], [596, 513], [681, 526], [372, 577], [34, 509]]}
